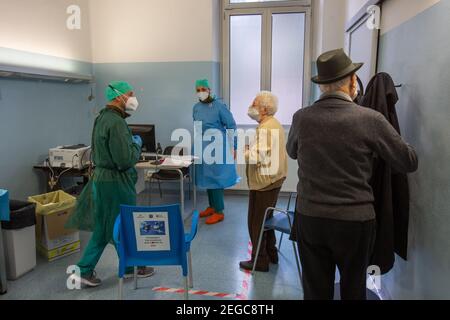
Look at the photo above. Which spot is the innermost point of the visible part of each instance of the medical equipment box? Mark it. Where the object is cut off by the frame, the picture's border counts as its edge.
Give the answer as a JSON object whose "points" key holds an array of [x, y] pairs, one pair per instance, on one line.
{"points": [[76, 156]]}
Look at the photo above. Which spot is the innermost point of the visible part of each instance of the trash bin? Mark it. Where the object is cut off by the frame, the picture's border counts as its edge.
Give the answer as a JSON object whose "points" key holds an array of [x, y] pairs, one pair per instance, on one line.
{"points": [[53, 210], [19, 239]]}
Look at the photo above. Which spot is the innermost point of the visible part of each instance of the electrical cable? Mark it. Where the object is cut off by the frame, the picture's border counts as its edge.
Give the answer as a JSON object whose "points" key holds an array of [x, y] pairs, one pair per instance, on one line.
{"points": [[54, 179], [82, 158]]}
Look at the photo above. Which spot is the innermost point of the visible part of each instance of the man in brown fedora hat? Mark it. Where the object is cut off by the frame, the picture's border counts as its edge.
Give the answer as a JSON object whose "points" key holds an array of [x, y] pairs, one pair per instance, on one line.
{"points": [[335, 141]]}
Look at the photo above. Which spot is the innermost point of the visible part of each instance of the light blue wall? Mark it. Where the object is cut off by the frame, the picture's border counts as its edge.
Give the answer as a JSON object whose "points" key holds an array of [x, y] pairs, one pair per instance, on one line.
{"points": [[35, 116], [166, 91], [417, 54]]}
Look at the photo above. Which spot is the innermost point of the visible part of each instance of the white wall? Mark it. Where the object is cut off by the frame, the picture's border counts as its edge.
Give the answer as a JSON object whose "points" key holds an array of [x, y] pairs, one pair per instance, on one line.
{"points": [[216, 30], [39, 26], [328, 25], [113, 30], [333, 25], [152, 30]]}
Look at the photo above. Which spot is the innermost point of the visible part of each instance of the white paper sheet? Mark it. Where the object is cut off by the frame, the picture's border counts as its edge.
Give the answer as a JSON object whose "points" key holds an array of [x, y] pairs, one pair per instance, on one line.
{"points": [[152, 231], [177, 162]]}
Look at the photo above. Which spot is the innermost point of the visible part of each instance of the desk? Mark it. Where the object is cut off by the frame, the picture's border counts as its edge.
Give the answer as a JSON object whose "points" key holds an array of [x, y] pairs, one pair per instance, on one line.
{"points": [[80, 173], [173, 164]]}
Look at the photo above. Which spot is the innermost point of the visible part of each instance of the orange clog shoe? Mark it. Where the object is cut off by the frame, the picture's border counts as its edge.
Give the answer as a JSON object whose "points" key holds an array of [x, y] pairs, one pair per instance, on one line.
{"points": [[208, 212], [215, 218]]}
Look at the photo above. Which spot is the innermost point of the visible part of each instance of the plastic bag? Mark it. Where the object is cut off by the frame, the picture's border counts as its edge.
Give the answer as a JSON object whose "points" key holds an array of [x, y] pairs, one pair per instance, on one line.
{"points": [[52, 202]]}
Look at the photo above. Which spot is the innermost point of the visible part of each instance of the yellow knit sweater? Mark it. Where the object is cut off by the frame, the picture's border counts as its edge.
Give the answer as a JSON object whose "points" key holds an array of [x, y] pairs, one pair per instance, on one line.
{"points": [[266, 157]]}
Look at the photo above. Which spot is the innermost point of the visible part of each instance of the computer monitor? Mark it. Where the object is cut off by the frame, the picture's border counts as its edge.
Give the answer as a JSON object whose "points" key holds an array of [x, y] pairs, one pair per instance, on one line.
{"points": [[147, 133]]}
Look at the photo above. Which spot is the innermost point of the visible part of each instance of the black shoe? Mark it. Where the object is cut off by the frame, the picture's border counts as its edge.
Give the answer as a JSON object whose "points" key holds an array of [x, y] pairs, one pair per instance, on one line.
{"points": [[89, 280], [142, 272], [248, 265]]}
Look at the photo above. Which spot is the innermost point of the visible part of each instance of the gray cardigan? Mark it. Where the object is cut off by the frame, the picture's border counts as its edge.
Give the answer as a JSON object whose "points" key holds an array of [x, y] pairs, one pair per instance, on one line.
{"points": [[335, 142]]}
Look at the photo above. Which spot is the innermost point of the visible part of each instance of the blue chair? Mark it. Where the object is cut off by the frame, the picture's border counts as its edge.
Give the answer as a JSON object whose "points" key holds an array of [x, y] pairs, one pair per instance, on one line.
{"points": [[4, 205], [282, 222], [130, 255]]}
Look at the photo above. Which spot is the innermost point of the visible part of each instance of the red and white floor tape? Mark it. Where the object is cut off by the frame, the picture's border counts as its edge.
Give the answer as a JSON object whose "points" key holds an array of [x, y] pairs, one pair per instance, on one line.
{"points": [[198, 293], [239, 296]]}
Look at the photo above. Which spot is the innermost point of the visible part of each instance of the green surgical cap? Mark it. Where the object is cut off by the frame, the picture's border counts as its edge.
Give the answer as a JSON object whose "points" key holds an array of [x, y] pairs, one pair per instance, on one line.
{"points": [[202, 83], [121, 87]]}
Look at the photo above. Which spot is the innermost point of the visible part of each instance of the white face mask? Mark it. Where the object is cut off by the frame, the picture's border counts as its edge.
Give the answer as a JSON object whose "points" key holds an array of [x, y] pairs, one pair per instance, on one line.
{"points": [[132, 104], [254, 114], [203, 95]]}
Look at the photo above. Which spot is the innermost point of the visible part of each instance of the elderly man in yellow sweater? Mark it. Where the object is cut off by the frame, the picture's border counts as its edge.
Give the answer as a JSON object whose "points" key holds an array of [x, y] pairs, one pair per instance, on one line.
{"points": [[266, 160]]}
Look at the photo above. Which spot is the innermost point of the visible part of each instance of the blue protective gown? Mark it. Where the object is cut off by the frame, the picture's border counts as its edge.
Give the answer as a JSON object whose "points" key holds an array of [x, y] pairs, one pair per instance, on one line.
{"points": [[216, 115]]}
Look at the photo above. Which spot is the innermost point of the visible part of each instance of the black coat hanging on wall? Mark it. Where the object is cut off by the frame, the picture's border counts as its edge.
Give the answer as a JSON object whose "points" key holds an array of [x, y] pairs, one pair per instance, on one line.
{"points": [[391, 189]]}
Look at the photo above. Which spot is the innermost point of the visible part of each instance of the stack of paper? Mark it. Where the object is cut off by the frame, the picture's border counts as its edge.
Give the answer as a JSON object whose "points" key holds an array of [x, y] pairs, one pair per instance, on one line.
{"points": [[177, 162]]}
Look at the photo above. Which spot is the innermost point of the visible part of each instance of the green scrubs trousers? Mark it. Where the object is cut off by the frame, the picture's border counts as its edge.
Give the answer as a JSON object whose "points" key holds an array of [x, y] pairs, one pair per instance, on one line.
{"points": [[216, 199], [92, 254]]}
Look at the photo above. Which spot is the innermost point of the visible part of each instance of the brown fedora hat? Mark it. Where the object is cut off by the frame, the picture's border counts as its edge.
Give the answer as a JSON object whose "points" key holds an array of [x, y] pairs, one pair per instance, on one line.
{"points": [[333, 66]]}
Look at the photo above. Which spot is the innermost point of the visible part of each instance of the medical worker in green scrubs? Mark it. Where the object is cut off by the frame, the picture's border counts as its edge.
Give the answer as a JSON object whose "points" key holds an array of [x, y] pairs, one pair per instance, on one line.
{"points": [[115, 154]]}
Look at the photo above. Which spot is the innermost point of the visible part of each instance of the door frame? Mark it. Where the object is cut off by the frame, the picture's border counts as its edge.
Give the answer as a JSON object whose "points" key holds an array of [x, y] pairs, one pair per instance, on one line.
{"points": [[265, 4], [375, 34], [358, 21]]}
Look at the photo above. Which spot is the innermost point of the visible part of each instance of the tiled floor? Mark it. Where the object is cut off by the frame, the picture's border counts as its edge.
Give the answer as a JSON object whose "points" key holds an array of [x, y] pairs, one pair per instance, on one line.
{"points": [[216, 252]]}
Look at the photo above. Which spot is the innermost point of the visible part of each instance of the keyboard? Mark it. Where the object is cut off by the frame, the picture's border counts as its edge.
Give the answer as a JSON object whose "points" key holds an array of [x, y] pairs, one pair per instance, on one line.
{"points": [[149, 158], [152, 159]]}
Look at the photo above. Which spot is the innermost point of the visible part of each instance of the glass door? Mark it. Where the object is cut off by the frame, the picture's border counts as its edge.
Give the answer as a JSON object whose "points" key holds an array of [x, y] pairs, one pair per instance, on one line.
{"points": [[266, 49], [245, 61]]}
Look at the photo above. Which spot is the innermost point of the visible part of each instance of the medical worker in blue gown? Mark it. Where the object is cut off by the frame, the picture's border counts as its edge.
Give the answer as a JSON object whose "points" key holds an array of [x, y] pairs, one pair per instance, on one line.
{"points": [[217, 175]]}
